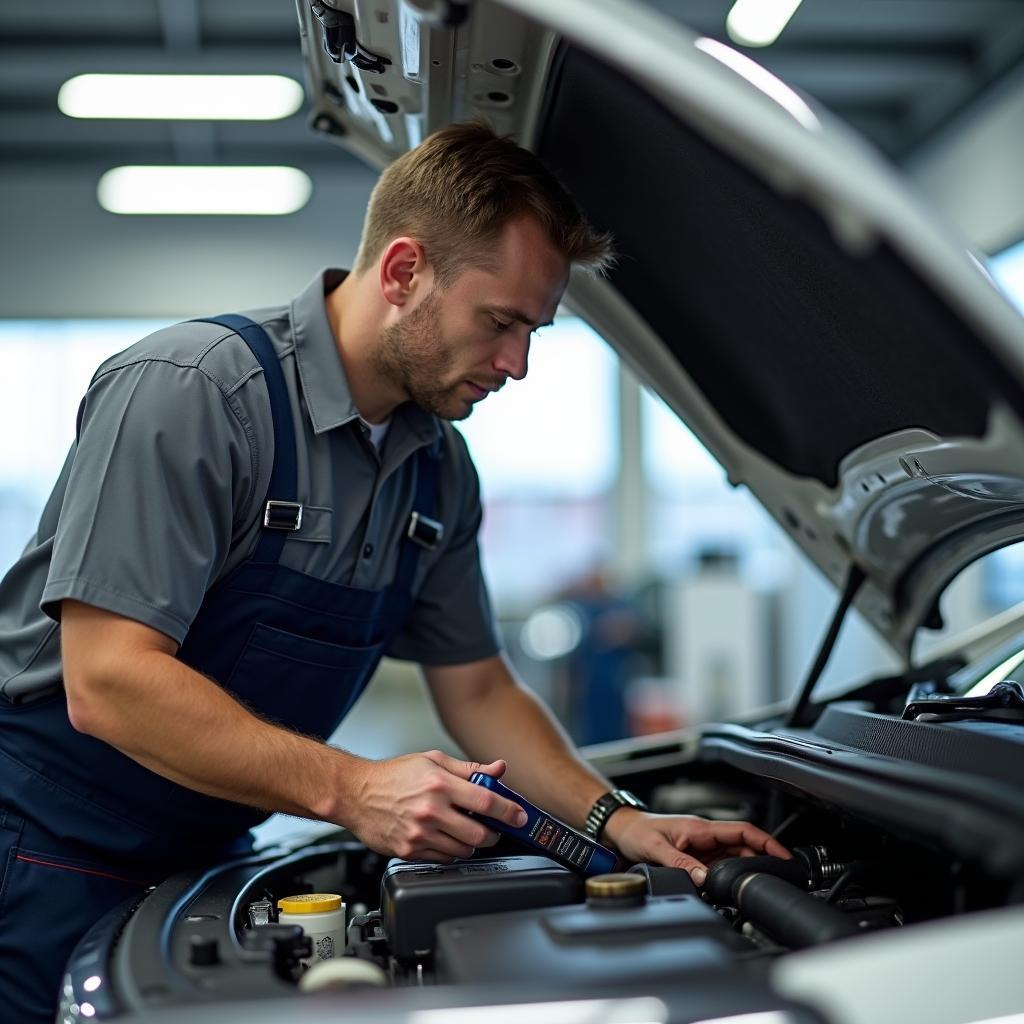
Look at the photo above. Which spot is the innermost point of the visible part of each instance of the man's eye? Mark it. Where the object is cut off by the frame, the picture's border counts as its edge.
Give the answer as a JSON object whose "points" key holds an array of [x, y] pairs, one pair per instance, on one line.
{"points": [[500, 325]]}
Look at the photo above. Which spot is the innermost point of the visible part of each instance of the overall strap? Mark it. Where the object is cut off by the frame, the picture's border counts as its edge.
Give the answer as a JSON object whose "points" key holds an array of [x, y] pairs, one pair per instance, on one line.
{"points": [[280, 511], [424, 503]]}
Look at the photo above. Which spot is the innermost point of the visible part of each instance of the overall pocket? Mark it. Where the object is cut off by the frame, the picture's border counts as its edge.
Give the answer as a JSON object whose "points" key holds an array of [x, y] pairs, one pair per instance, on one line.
{"points": [[304, 684], [47, 903]]}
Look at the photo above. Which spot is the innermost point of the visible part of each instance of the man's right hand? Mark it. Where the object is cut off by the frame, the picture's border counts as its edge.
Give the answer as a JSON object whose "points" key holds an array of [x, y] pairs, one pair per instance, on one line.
{"points": [[413, 807]]}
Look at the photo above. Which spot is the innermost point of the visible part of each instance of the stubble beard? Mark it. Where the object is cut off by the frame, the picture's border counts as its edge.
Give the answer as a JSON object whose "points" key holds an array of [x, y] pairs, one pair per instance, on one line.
{"points": [[414, 356]]}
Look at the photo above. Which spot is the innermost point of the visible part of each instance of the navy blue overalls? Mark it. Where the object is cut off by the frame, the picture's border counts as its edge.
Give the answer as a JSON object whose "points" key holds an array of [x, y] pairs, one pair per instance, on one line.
{"points": [[83, 827]]}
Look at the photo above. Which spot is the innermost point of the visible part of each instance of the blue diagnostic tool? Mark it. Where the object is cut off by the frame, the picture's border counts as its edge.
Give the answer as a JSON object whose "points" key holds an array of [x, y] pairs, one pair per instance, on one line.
{"points": [[547, 835]]}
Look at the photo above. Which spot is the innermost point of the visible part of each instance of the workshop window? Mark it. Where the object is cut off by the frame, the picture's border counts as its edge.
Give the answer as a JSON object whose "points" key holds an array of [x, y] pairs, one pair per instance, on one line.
{"points": [[47, 367], [741, 607], [1008, 269], [545, 449], [693, 512], [1000, 582]]}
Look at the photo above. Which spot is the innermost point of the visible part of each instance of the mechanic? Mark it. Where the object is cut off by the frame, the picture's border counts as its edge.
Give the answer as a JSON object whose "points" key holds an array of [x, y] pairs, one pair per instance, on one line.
{"points": [[254, 511]]}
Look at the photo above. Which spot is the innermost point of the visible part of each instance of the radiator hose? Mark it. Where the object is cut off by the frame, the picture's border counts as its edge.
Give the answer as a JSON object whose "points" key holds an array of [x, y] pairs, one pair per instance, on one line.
{"points": [[770, 893]]}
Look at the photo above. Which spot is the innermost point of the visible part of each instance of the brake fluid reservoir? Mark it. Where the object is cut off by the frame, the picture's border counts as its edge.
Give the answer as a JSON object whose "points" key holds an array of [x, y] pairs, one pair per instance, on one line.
{"points": [[321, 915]]}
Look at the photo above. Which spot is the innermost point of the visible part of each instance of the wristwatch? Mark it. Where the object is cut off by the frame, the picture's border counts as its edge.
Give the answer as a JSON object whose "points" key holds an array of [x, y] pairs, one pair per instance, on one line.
{"points": [[605, 806]]}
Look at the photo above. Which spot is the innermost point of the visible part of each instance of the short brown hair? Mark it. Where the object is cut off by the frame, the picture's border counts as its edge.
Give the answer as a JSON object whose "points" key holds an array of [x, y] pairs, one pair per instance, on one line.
{"points": [[455, 192]]}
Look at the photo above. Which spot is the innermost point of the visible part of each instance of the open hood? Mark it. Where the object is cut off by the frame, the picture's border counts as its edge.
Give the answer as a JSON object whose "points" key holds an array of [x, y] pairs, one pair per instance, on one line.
{"points": [[833, 345]]}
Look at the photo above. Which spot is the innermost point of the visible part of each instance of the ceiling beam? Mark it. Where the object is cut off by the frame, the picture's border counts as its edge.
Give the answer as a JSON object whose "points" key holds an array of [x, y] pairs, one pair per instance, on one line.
{"points": [[20, 126], [179, 22], [34, 68], [1001, 58], [859, 77]]}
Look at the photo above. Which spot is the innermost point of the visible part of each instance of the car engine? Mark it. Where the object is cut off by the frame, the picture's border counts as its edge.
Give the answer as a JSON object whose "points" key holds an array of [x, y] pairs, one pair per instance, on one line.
{"points": [[505, 922]]}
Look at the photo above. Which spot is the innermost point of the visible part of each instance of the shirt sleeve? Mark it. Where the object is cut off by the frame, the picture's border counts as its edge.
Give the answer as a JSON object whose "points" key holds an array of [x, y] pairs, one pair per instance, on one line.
{"points": [[161, 472], [452, 622]]}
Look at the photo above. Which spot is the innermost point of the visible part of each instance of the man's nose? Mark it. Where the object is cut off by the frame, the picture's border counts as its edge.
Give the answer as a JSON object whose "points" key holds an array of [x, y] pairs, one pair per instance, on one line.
{"points": [[512, 357]]}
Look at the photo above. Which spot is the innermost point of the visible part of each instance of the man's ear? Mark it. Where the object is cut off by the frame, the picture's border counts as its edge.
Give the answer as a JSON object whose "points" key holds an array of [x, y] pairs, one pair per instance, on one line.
{"points": [[403, 271]]}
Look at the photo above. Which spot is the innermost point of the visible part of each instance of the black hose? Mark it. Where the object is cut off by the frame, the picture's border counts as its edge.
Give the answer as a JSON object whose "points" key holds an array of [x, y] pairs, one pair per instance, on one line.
{"points": [[720, 885], [789, 915]]}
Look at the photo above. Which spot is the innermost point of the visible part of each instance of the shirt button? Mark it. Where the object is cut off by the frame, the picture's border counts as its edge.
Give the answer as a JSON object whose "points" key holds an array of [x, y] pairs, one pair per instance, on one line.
{"points": [[367, 551]]}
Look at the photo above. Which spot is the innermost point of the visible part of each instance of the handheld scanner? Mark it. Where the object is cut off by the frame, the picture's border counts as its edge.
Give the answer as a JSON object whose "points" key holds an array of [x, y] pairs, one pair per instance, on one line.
{"points": [[546, 835]]}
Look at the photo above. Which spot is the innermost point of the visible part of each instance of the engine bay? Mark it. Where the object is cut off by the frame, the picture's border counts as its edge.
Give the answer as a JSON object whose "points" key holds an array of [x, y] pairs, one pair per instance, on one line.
{"points": [[507, 926]]}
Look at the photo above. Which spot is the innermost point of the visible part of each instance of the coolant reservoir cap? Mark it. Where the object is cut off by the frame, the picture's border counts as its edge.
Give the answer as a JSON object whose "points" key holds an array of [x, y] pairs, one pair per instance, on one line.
{"points": [[310, 903], [617, 888]]}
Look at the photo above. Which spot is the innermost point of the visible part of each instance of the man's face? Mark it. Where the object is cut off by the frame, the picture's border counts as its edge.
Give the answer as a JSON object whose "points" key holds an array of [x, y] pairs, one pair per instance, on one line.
{"points": [[458, 345]]}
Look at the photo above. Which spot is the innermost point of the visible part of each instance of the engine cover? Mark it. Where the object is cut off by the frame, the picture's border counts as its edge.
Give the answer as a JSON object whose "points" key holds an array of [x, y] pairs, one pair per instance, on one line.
{"points": [[584, 944], [417, 896]]}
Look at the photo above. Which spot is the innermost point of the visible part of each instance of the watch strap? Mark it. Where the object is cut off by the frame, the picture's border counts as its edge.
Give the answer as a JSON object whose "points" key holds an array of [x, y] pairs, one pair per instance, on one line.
{"points": [[605, 806]]}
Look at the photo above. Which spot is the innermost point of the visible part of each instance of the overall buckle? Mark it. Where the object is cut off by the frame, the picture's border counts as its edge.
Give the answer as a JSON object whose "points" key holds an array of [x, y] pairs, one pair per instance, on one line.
{"points": [[425, 531], [283, 515]]}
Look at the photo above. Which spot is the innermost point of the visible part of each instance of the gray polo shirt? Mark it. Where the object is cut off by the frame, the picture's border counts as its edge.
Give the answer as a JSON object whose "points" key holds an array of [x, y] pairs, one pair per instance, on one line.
{"points": [[160, 495]]}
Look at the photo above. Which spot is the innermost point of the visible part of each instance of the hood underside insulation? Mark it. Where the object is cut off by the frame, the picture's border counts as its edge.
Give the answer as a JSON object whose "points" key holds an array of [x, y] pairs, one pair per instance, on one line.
{"points": [[805, 351]]}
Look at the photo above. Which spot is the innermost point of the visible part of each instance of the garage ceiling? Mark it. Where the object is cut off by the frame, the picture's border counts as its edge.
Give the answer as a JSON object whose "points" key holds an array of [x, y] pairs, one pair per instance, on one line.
{"points": [[898, 70]]}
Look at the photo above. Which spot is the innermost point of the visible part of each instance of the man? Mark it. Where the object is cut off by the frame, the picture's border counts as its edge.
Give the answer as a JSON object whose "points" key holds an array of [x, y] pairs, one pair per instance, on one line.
{"points": [[254, 511]]}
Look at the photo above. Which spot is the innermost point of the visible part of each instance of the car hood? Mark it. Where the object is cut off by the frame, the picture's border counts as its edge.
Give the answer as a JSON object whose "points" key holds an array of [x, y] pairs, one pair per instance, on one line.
{"points": [[831, 342]]}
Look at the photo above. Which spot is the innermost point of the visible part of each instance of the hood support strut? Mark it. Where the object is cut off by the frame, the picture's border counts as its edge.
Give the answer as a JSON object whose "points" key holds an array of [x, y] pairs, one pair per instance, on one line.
{"points": [[798, 715]]}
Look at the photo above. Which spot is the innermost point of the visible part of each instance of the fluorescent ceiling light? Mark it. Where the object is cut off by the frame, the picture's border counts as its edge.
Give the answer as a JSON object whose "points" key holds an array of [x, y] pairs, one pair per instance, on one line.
{"points": [[204, 190], [181, 97], [759, 22]]}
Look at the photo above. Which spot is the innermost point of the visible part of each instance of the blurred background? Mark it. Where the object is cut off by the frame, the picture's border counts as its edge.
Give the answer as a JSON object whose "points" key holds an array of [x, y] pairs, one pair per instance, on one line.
{"points": [[636, 590]]}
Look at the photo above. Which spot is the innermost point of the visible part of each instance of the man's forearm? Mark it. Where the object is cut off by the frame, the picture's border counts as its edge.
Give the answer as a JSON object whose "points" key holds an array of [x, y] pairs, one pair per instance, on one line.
{"points": [[543, 764], [178, 723]]}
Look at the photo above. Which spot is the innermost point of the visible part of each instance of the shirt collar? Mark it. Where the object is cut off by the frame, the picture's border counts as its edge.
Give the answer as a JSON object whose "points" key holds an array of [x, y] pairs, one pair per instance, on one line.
{"points": [[322, 373]]}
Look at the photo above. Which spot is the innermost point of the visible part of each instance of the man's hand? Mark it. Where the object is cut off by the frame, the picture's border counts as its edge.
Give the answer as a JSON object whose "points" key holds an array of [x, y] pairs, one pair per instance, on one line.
{"points": [[412, 807], [685, 841]]}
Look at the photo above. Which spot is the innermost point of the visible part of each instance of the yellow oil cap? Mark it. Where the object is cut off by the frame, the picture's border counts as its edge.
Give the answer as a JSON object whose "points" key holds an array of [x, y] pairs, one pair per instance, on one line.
{"points": [[311, 903]]}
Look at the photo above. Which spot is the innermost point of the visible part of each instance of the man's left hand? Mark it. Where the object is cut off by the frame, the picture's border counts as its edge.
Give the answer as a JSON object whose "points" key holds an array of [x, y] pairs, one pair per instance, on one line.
{"points": [[684, 841]]}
